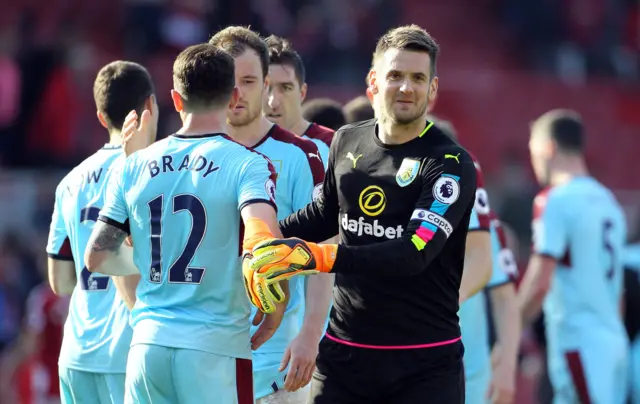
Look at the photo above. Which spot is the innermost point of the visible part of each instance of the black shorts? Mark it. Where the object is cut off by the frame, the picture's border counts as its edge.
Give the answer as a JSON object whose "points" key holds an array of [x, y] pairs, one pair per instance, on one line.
{"points": [[350, 375]]}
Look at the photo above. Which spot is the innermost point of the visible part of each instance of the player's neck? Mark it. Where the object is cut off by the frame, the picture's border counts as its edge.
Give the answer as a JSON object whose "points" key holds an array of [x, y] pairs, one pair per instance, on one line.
{"points": [[115, 138], [252, 133], [301, 127], [567, 170], [392, 133], [202, 124]]}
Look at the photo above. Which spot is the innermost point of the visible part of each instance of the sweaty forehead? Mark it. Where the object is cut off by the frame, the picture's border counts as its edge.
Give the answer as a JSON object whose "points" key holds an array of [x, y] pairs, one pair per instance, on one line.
{"points": [[404, 61], [279, 73]]}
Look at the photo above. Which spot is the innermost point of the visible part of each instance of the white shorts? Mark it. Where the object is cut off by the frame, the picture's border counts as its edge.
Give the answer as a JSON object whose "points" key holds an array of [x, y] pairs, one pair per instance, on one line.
{"points": [[285, 397]]}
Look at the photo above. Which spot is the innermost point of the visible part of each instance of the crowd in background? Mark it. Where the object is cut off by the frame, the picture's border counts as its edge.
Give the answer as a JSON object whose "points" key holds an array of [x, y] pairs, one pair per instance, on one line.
{"points": [[50, 53]]}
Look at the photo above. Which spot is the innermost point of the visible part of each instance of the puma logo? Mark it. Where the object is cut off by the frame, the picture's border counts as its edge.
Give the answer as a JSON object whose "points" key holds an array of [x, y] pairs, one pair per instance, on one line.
{"points": [[451, 156], [353, 158], [315, 155]]}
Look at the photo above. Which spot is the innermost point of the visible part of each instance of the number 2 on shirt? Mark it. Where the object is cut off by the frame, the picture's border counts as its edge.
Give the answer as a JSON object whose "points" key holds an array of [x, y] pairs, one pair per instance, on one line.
{"points": [[88, 281], [179, 271], [607, 225]]}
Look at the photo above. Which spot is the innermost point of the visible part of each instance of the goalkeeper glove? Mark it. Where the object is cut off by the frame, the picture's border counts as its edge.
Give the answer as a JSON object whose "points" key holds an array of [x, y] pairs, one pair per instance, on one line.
{"points": [[280, 259], [262, 295]]}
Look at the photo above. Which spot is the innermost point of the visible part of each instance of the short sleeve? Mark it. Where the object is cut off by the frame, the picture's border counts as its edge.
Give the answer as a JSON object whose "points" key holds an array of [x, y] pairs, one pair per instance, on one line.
{"points": [[307, 183], [114, 211], [474, 222], [58, 244], [549, 227], [505, 268], [257, 182]]}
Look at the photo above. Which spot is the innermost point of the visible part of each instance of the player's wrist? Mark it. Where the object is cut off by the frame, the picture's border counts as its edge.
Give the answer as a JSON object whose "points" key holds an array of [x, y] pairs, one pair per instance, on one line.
{"points": [[326, 255]]}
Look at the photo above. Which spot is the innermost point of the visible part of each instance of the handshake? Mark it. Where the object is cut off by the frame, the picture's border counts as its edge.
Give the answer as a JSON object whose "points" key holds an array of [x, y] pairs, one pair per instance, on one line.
{"points": [[267, 261]]}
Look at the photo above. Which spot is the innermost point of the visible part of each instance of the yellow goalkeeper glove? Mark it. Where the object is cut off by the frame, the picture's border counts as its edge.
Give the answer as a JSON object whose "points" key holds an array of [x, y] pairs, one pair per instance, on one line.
{"points": [[280, 259], [262, 295]]}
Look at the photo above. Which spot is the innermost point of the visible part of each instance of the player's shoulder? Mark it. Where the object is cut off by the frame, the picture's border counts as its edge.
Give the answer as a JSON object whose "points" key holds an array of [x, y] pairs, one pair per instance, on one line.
{"points": [[319, 132], [441, 147], [283, 136]]}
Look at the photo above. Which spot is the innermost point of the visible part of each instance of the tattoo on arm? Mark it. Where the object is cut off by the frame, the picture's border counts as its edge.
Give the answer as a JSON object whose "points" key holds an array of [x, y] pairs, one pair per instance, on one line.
{"points": [[106, 238]]}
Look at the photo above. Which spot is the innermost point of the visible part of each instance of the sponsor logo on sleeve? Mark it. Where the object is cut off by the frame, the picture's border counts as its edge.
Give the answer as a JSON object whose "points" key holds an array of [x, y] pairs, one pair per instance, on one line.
{"points": [[446, 190], [317, 191], [270, 188]]}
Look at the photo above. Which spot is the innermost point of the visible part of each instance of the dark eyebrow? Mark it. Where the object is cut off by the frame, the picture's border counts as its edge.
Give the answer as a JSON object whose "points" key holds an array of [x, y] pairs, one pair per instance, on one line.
{"points": [[249, 76]]}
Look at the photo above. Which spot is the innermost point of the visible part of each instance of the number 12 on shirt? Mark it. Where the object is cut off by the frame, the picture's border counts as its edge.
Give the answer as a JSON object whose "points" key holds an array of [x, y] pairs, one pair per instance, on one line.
{"points": [[179, 270]]}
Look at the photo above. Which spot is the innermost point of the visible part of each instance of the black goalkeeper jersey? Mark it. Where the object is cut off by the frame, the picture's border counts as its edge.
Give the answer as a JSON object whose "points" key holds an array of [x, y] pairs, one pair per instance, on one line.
{"points": [[402, 212]]}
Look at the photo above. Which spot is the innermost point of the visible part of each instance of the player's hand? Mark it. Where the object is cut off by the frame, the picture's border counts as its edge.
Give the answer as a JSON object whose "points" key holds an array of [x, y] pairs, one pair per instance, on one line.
{"points": [[502, 387], [136, 133], [269, 323], [128, 241], [261, 294], [279, 259], [300, 356]]}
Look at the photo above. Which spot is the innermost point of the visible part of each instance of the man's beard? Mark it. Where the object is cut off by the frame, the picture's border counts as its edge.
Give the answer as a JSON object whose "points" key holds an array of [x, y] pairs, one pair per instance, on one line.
{"points": [[245, 118]]}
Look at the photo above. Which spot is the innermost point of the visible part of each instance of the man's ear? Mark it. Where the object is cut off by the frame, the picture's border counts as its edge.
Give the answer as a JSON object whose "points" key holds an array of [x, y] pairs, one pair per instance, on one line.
{"points": [[102, 120], [178, 102]]}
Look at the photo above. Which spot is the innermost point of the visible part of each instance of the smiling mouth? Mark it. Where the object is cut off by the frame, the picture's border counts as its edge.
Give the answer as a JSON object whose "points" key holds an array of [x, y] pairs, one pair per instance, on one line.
{"points": [[274, 115]]}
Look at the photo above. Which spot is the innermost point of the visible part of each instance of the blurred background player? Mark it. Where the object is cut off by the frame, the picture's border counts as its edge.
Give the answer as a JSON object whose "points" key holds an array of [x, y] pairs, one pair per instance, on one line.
{"points": [[576, 271], [325, 112], [505, 317], [184, 200], [300, 174], [34, 355], [97, 335], [358, 109], [477, 272], [287, 91]]}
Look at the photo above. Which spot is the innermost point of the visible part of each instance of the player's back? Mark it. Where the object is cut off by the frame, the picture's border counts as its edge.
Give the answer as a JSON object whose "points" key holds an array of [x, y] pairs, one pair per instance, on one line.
{"points": [[97, 334], [585, 293], [184, 196]]}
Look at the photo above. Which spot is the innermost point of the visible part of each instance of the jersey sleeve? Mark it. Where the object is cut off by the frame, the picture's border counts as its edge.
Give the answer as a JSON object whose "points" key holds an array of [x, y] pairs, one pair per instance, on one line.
{"points": [[307, 182], [448, 192], [257, 182], [115, 212], [324, 152], [505, 267], [58, 244], [317, 221], [549, 227], [481, 207]]}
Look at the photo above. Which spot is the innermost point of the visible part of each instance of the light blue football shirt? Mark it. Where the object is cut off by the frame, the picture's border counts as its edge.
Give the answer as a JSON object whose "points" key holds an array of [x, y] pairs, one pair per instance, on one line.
{"points": [[473, 323], [181, 199], [583, 227], [299, 180], [321, 136], [96, 333], [505, 268]]}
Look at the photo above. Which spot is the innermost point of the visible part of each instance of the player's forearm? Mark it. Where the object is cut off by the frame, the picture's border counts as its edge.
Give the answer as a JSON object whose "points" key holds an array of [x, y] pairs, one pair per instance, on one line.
{"points": [[398, 257], [530, 298], [476, 272], [126, 287], [317, 303], [314, 223], [508, 324], [62, 276]]}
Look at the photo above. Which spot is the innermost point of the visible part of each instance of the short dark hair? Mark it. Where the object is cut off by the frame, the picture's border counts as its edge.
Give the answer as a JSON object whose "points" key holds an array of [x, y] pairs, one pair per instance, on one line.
{"points": [[358, 109], [409, 37], [204, 75], [325, 112], [236, 40], [281, 52], [565, 128], [120, 87]]}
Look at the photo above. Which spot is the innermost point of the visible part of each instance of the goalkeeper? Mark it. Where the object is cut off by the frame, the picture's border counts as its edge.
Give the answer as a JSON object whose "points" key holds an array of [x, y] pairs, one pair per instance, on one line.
{"points": [[400, 193]]}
